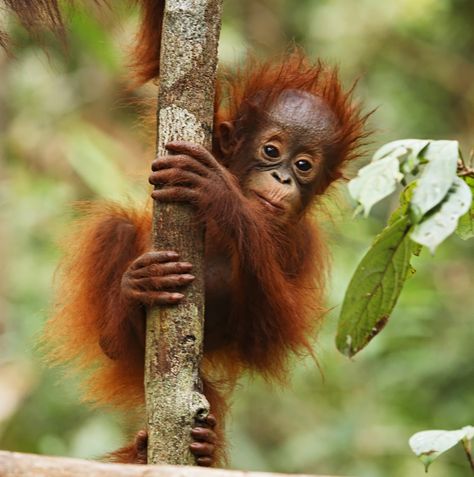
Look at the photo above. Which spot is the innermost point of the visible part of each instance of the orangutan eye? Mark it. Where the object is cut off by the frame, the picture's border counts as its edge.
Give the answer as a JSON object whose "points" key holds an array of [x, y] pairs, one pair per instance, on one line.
{"points": [[303, 165], [271, 151]]}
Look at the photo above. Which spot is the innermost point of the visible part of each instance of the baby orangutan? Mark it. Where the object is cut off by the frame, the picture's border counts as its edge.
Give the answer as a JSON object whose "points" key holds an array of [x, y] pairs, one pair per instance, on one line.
{"points": [[267, 186], [281, 138], [279, 143]]}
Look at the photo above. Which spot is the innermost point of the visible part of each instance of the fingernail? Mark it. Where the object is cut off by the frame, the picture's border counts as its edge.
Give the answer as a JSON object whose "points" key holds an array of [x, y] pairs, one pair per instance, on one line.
{"points": [[189, 277], [177, 296]]}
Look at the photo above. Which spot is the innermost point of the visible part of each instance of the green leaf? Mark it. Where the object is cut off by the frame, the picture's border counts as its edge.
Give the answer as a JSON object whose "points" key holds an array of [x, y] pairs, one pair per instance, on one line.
{"points": [[375, 288], [465, 228], [429, 445], [375, 181], [442, 223], [405, 197], [436, 179]]}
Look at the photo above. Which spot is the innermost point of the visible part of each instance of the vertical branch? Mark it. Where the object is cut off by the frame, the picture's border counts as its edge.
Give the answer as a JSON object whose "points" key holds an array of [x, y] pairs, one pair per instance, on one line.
{"points": [[175, 334]]}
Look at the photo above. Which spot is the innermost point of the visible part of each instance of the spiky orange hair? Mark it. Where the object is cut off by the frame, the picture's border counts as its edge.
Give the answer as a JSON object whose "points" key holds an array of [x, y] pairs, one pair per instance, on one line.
{"points": [[46, 14], [250, 90]]}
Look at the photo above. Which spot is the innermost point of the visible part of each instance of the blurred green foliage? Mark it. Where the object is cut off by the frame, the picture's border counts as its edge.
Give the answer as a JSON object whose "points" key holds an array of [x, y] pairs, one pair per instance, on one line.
{"points": [[71, 130]]}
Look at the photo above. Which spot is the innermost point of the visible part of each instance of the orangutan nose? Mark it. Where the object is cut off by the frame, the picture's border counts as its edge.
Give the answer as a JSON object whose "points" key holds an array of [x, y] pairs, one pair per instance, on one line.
{"points": [[282, 178]]}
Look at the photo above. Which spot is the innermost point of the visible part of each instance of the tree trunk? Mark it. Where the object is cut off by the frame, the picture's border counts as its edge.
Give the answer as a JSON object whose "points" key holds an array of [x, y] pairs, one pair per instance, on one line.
{"points": [[175, 334]]}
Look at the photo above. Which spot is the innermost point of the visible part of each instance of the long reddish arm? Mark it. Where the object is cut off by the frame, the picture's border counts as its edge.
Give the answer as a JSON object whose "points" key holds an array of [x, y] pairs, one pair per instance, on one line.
{"points": [[276, 294], [277, 285], [91, 325]]}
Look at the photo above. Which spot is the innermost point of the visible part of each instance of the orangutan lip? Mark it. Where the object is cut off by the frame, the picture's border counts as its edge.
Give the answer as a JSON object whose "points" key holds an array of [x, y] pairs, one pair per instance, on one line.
{"points": [[268, 202]]}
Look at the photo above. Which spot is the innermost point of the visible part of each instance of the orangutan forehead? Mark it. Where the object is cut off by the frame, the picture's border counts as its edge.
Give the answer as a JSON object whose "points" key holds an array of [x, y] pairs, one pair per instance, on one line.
{"points": [[302, 111]]}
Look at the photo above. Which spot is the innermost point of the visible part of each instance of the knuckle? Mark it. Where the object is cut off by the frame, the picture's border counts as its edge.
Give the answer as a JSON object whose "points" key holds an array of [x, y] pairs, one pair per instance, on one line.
{"points": [[156, 269], [128, 294], [187, 158], [136, 296], [126, 283], [157, 283], [172, 279], [168, 268], [159, 298]]}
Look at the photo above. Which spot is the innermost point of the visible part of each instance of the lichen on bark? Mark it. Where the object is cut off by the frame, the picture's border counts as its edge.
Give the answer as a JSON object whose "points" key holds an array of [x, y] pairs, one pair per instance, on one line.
{"points": [[175, 334]]}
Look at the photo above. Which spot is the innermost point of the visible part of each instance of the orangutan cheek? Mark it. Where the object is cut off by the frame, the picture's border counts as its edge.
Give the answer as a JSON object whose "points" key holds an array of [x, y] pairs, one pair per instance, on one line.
{"points": [[258, 182], [261, 183], [287, 198]]}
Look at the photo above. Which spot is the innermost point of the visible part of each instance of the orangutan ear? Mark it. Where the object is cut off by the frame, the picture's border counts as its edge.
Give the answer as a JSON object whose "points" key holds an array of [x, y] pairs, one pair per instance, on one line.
{"points": [[226, 138]]}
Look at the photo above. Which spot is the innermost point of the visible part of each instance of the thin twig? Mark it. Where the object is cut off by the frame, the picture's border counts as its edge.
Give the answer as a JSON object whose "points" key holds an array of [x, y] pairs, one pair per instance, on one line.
{"points": [[466, 443]]}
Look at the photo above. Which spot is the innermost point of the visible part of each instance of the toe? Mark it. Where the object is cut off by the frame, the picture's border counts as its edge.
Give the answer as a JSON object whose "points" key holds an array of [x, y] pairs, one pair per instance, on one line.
{"points": [[204, 435], [204, 461], [202, 449]]}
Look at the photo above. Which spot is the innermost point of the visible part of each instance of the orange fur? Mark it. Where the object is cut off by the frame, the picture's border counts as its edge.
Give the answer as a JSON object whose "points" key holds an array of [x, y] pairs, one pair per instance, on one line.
{"points": [[248, 92], [278, 276], [46, 14], [89, 307], [277, 280], [146, 54]]}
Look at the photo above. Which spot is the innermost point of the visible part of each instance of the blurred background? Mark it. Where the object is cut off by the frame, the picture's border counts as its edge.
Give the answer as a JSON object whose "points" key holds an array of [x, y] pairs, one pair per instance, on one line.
{"points": [[70, 129]]}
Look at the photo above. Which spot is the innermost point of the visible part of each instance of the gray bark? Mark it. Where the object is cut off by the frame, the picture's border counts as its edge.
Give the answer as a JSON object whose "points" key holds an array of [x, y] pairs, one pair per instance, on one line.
{"points": [[14, 464], [175, 334]]}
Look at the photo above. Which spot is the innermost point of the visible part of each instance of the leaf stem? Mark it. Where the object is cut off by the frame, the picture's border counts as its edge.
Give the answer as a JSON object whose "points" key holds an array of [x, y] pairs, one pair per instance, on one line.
{"points": [[466, 443], [464, 170]]}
